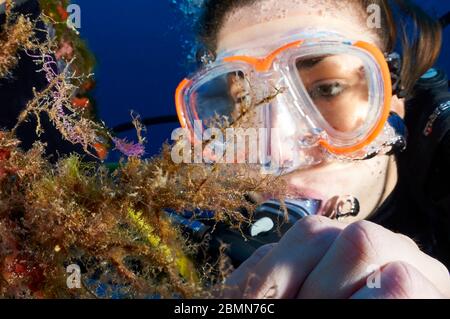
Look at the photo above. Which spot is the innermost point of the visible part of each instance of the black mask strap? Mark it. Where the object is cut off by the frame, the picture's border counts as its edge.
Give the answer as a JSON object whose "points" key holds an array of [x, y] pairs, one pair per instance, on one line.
{"points": [[394, 61]]}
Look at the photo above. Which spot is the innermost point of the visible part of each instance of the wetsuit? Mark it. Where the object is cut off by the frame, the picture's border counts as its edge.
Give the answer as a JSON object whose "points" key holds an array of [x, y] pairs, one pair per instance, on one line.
{"points": [[403, 213]]}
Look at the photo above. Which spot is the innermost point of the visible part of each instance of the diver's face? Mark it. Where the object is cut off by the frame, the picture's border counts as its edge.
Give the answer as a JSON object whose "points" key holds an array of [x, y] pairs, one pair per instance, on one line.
{"points": [[371, 180]]}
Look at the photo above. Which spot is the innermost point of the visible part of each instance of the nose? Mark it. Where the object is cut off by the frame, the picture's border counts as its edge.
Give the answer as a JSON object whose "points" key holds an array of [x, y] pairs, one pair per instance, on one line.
{"points": [[283, 131], [282, 118], [292, 136]]}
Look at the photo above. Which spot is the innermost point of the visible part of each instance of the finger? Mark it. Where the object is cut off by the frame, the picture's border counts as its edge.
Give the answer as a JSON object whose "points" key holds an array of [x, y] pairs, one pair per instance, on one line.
{"points": [[232, 287], [360, 247], [282, 271], [399, 280]]}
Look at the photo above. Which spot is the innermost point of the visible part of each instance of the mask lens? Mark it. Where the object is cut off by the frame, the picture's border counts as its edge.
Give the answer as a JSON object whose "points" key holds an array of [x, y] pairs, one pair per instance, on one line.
{"points": [[225, 97], [338, 86]]}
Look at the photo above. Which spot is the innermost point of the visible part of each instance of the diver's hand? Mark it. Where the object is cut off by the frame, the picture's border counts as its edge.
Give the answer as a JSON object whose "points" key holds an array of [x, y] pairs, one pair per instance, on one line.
{"points": [[322, 258]]}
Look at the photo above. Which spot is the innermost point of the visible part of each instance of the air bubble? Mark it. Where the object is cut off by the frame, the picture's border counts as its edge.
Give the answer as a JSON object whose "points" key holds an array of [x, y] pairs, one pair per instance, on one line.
{"points": [[346, 206]]}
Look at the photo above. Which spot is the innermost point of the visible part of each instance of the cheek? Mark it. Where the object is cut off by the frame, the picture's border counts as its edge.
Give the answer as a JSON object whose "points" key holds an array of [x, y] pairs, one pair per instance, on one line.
{"points": [[358, 178], [366, 181], [375, 167], [362, 175]]}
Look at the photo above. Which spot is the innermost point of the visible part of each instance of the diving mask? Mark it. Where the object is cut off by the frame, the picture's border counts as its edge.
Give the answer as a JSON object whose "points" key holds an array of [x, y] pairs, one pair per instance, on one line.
{"points": [[315, 97]]}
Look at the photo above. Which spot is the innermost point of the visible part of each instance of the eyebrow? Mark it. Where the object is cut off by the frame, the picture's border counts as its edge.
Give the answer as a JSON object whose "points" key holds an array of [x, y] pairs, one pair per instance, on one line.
{"points": [[310, 63]]}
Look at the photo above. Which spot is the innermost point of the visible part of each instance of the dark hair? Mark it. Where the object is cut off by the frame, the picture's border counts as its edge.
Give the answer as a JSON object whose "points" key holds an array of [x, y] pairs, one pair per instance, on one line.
{"points": [[421, 45]]}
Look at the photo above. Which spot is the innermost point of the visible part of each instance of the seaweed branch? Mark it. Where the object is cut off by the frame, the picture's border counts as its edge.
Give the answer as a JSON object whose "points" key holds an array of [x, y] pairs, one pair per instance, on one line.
{"points": [[16, 35], [110, 223]]}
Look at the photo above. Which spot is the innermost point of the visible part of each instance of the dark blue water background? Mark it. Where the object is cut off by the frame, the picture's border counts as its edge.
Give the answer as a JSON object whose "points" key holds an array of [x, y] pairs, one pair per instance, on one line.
{"points": [[141, 53]]}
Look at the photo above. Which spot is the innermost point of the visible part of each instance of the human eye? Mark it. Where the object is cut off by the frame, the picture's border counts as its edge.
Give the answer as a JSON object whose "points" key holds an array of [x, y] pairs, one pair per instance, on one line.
{"points": [[327, 89]]}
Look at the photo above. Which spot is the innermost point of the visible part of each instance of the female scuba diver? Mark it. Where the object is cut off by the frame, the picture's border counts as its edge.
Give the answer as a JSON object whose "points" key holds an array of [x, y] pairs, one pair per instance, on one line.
{"points": [[320, 78]]}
